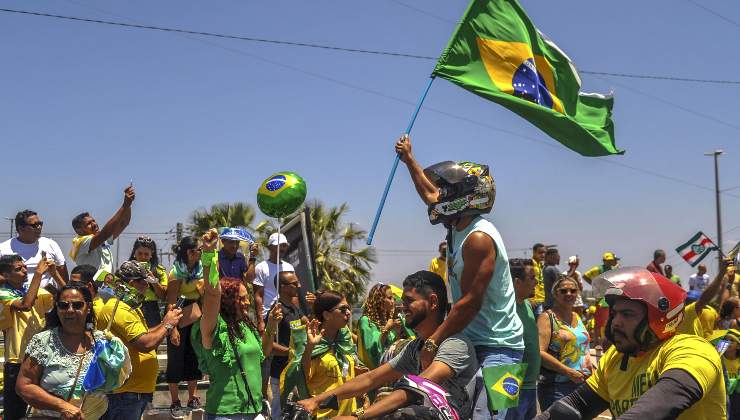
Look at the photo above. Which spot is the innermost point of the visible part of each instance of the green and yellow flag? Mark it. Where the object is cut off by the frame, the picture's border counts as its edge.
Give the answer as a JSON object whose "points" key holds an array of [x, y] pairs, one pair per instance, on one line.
{"points": [[502, 385], [497, 53]]}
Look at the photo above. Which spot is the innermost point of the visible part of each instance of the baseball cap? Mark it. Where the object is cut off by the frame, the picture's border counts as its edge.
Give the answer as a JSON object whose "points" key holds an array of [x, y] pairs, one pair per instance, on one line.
{"points": [[572, 259], [236, 234], [133, 270], [275, 240], [609, 256]]}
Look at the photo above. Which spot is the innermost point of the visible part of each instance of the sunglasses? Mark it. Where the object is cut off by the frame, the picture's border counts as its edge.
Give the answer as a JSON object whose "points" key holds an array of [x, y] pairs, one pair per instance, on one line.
{"points": [[565, 291], [343, 308], [76, 305], [35, 225], [293, 283]]}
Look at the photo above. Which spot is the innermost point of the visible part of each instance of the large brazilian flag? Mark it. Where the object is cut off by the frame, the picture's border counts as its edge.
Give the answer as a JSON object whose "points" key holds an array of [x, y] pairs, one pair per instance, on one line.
{"points": [[497, 53]]}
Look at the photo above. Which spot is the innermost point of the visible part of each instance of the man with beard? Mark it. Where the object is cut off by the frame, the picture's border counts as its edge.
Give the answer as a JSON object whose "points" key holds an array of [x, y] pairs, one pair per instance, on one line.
{"points": [[453, 367], [651, 372]]}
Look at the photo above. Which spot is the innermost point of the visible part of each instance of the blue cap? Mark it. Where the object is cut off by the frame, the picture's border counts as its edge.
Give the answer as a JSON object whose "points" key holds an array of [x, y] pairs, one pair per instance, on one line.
{"points": [[692, 296], [236, 234]]}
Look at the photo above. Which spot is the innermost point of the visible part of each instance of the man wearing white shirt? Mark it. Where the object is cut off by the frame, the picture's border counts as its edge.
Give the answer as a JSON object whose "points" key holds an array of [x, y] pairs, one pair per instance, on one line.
{"points": [[698, 281], [265, 280], [30, 245]]}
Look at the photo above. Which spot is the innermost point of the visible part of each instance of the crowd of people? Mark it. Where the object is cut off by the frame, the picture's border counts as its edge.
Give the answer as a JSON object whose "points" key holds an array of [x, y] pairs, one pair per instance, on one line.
{"points": [[478, 335]]}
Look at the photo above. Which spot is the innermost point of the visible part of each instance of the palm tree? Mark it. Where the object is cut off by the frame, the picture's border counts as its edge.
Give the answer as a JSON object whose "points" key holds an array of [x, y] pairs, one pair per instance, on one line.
{"points": [[220, 215], [341, 265]]}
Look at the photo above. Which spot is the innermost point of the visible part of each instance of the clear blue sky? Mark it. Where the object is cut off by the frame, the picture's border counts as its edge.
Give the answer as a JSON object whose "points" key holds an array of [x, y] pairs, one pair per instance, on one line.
{"points": [[197, 121]]}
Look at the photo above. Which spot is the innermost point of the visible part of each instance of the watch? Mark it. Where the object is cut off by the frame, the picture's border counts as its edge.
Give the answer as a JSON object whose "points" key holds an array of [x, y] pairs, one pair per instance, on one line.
{"points": [[430, 345], [169, 328], [359, 413]]}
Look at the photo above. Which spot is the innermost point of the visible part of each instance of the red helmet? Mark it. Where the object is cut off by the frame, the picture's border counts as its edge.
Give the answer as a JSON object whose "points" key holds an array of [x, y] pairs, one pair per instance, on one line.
{"points": [[664, 299]]}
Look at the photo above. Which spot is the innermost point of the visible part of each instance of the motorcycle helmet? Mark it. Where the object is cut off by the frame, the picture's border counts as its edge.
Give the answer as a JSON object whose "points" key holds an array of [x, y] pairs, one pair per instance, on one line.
{"points": [[465, 188], [663, 299]]}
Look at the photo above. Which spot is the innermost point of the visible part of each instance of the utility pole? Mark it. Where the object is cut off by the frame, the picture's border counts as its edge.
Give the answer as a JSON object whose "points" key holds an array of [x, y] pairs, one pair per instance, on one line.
{"points": [[715, 154], [12, 221]]}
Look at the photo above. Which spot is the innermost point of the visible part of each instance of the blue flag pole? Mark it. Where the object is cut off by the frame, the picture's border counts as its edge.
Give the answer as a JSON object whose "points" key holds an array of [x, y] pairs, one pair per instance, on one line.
{"points": [[395, 164]]}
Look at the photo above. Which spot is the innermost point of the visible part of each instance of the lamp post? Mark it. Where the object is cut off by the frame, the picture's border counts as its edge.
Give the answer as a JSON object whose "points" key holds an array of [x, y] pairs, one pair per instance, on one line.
{"points": [[715, 154]]}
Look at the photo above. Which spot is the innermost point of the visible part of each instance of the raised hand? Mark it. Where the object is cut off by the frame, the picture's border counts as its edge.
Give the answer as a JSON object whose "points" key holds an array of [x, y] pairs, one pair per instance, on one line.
{"points": [[275, 316], [314, 333], [210, 240], [403, 148], [129, 194]]}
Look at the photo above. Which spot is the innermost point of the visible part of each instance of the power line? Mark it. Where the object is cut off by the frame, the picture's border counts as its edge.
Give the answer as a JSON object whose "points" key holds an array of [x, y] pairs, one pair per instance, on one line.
{"points": [[716, 14], [345, 49]]}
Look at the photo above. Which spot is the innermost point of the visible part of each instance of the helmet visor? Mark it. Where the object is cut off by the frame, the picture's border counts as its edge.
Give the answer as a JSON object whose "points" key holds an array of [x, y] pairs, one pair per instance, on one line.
{"points": [[447, 171]]}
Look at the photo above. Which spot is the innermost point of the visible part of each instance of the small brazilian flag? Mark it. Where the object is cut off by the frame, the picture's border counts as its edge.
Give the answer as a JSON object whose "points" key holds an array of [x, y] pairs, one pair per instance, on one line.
{"points": [[497, 53], [502, 385]]}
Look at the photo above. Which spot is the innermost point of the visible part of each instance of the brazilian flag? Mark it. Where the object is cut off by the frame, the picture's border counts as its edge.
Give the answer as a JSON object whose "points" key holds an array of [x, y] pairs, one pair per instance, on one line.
{"points": [[503, 384], [497, 53]]}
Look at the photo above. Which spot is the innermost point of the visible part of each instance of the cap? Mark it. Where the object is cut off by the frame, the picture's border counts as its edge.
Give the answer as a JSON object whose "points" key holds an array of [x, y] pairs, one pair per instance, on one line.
{"points": [[133, 270], [275, 240], [609, 256], [236, 234], [572, 259], [693, 295]]}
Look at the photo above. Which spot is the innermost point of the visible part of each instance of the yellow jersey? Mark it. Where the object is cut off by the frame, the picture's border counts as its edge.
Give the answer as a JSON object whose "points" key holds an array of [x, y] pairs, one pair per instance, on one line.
{"points": [[327, 374], [439, 266], [694, 355], [128, 325], [19, 326], [698, 324], [539, 288]]}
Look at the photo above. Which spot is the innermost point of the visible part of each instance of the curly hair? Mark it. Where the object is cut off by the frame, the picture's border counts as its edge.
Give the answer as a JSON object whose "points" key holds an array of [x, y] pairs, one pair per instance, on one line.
{"points": [[229, 297], [373, 306]]}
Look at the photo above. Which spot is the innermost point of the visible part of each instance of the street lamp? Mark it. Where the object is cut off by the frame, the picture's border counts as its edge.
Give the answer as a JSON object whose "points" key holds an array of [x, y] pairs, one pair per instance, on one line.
{"points": [[715, 154]]}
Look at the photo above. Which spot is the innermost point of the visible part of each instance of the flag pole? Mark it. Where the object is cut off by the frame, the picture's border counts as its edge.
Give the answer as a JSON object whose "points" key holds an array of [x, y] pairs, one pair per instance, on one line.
{"points": [[395, 164]]}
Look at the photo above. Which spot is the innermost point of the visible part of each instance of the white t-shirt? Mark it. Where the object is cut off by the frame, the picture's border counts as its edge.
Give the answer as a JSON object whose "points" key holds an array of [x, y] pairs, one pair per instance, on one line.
{"points": [[697, 282], [31, 254], [265, 273], [100, 257]]}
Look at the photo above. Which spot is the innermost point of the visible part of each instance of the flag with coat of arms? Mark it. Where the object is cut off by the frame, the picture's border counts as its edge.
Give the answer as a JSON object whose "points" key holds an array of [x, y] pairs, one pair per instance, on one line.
{"points": [[502, 385], [696, 248]]}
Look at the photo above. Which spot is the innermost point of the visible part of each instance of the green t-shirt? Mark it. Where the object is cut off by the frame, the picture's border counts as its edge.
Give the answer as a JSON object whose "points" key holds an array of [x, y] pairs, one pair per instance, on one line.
{"points": [[227, 395], [531, 345]]}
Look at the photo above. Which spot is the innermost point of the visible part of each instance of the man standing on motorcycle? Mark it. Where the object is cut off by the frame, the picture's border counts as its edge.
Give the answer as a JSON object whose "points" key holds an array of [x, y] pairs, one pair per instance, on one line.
{"points": [[454, 364]]}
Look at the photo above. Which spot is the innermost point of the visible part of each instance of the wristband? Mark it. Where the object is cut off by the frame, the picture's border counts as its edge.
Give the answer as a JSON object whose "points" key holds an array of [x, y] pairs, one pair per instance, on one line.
{"points": [[206, 258]]}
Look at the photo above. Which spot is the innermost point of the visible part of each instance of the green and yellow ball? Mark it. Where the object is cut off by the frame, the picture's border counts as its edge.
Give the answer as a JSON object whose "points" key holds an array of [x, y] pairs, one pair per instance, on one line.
{"points": [[281, 194]]}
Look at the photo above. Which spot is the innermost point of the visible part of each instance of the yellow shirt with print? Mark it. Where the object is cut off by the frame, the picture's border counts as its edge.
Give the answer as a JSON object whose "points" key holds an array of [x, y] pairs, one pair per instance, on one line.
{"points": [[693, 323], [622, 389], [19, 326], [439, 266], [326, 374], [189, 289], [539, 288], [128, 325]]}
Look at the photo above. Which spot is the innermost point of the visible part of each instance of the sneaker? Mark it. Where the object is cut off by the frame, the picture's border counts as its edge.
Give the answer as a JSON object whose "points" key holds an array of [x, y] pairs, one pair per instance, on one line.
{"points": [[176, 411], [194, 403]]}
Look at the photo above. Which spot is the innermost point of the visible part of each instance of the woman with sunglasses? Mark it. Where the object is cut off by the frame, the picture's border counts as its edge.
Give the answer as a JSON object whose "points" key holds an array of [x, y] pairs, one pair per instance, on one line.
{"points": [[145, 252], [229, 346], [329, 358], [564, 345], [57, 359], [186, 284]]}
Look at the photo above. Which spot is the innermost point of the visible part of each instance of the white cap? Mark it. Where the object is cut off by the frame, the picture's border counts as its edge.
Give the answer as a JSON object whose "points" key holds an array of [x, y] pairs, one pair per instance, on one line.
{"points": [[572, 259], [274, 240]]}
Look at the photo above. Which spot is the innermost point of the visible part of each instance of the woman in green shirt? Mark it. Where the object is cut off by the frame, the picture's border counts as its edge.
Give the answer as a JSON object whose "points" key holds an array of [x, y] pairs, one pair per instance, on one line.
{"points": [[377, 329], [145, 252], [228, 344]]}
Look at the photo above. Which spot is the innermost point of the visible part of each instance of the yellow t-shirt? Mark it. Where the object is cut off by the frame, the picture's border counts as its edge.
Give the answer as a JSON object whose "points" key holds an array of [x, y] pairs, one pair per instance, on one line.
{"points": [[693, 323], [189, 289], [19, 326], [326, 374], [539, 288], [439, 266], [98, 307], [686, 352], [128, 325]]}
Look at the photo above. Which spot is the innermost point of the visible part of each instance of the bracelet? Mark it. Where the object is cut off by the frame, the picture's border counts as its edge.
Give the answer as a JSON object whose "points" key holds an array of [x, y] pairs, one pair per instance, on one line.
{"points": [[359, 413]]}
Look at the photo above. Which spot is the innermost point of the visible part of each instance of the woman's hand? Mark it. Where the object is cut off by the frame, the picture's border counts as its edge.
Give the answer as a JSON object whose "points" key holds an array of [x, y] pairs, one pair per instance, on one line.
{"points": [[210, 240], [71, 412], [388, 325], [314, 333], [275, 316], [576, 376], [175, 337]]}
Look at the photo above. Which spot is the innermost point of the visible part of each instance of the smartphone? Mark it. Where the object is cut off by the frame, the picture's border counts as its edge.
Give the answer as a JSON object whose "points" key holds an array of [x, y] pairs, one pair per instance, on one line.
{"points": [[180, 302]]}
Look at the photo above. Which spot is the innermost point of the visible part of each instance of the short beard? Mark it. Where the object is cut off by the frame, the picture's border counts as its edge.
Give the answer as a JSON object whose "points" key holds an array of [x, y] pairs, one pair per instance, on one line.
{"points": [[416, 320]]}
